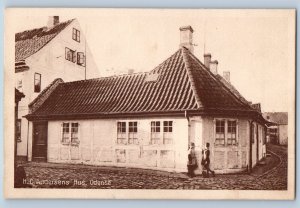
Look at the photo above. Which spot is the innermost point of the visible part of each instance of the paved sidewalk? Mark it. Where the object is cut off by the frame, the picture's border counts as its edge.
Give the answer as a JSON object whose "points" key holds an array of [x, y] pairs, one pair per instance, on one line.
{"points": [[272, 176]]}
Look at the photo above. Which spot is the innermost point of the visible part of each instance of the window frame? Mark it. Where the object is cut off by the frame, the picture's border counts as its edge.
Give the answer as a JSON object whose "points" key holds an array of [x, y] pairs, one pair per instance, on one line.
{"points": [[35, 89], [156, 130], [73, 55], [121, 135], [76, 35], [69, 139], [168, 127], [226, 132], [81, 56], [133, 133]]}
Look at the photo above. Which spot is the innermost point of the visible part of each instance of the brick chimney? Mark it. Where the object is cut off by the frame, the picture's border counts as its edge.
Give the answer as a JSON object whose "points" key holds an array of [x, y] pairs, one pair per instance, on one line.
{"points": [[214, 66], [52, 21], [186, 37], [207, 60], [130, 71], [226, 75]]}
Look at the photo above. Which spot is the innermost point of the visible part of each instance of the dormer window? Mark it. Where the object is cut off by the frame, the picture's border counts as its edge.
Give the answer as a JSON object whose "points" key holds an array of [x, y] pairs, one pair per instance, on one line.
{"points": [[70, 55], [76, 35]]}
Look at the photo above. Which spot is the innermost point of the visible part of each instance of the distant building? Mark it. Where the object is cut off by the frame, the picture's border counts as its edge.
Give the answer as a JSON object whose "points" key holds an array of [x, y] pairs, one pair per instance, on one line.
{"points": [[278, 131], [148, 119], [57, 50]]}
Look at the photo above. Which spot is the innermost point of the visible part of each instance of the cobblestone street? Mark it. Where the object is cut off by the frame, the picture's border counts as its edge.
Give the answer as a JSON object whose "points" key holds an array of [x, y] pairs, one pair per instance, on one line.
{"points": [[269, 176]]}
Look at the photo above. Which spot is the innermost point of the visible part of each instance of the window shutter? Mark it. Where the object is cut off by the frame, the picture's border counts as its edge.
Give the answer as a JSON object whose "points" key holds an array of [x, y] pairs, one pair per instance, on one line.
{"points": [[74, 56]]}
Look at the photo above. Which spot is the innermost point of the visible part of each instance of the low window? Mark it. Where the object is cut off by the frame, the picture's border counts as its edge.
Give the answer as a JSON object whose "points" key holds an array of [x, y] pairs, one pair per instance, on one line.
{"points": [[80, 58], [70, 55], [155, 132], [220, 132], [231, 132], [168, 132], [76, 35], [65, 133], [121, 133], [132, 136], [70, 133], [74, 133], [37, 82], [18, 130]]}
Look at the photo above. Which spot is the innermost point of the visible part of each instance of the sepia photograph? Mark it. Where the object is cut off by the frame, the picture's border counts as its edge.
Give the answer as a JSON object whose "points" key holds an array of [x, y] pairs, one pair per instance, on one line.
{"points": [[149, 103]]}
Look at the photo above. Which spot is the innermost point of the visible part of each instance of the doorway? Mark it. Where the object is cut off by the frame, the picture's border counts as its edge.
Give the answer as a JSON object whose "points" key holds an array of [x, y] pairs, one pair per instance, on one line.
{"points": [[40, 140]]}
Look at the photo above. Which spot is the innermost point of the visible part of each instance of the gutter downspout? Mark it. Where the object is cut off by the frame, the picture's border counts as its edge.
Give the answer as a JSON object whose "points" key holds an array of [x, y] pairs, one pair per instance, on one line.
{"points": [[188, 119]]}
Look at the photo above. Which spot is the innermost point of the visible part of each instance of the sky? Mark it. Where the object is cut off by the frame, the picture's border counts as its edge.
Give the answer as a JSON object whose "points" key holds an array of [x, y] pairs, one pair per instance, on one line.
{"points": [[257, 47]]}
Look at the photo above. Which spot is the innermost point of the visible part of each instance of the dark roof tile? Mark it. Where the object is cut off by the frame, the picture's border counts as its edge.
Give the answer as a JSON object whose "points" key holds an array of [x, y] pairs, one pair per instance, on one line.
{"points": [[29, 42]]}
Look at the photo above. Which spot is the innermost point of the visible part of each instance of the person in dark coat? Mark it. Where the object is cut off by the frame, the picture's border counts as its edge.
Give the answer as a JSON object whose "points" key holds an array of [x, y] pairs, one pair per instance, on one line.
{"points": [[205, 162], [192, 161]]}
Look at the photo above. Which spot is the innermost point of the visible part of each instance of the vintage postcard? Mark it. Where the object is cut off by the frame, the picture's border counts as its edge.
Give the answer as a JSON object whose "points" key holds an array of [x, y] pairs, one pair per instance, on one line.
{"points": [[149, 103]]}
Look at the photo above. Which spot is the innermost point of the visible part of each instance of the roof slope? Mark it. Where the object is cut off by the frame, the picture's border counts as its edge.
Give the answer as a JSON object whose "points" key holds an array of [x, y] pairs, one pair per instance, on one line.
{"points": [[183, 83], [277, 117], [30, 41]]}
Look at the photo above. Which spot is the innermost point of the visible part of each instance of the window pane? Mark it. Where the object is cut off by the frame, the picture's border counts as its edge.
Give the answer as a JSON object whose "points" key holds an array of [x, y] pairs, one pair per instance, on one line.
{"points": [[132, 126], [37, 82]]}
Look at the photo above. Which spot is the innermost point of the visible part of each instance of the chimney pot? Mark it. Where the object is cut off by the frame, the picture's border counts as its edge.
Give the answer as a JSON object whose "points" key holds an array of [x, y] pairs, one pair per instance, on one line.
{"points": [[207, 60], [226, 75], [130, 71], [53, 21], [214, 66], [186, 37]]}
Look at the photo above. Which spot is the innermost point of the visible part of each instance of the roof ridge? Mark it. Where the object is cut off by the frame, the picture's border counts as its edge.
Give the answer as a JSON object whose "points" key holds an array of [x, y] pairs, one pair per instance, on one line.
{"points": [[184, 50], [37, 28], [132, 74], [108, 77]]}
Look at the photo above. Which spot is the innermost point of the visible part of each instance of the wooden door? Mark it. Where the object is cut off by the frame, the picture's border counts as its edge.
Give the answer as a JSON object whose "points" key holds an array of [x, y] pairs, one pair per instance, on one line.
{"points": [[39, 147]]}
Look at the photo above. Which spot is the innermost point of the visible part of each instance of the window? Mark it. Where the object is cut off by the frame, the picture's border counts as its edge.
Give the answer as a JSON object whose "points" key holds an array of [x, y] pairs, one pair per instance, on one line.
{"points": [[231, 132], [74, 133], [70, 133], [121, 134], [65, 134], [80, 58], [76, 35], [70, 55], [168, 132], [37, 82], [220, 132], [132, 136], [226, 132], [155, 132], [18, 130]]}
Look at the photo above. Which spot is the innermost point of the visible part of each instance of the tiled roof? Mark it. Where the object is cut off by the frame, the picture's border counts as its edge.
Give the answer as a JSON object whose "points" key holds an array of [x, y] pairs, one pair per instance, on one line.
{"points": [[178, 84], [277, 117], [30, 41], [232, 88]]}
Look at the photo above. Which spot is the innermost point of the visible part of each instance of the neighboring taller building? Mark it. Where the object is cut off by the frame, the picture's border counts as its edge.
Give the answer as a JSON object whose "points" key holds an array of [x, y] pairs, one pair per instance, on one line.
{"points": [[57, 50]]}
